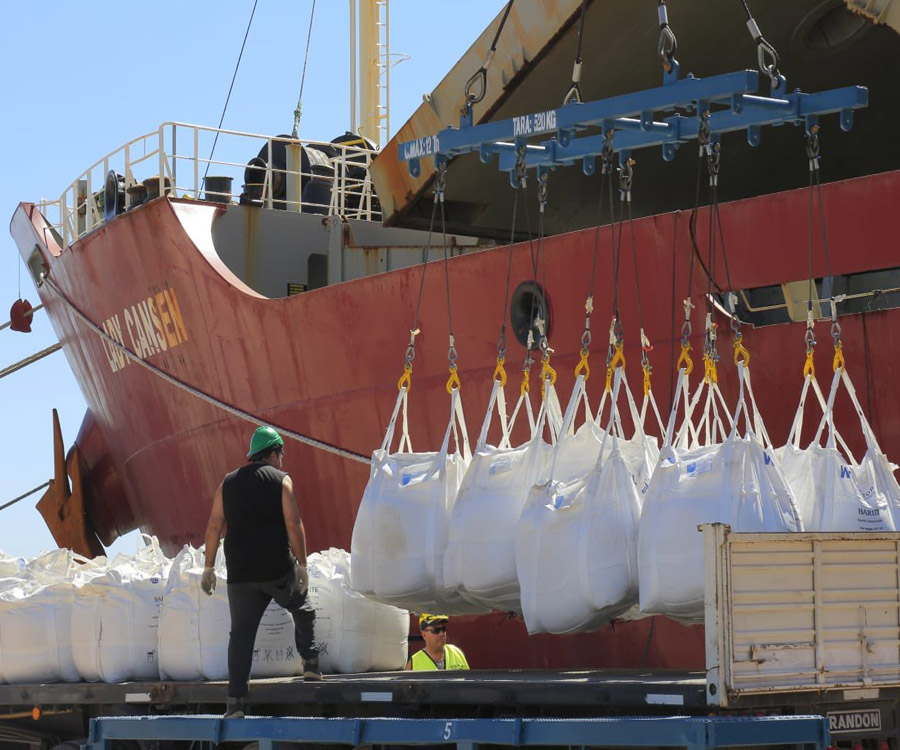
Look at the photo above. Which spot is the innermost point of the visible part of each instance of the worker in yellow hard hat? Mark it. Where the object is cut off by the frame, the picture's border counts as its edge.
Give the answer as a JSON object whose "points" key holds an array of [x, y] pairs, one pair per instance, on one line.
{"points": [[437, 654]]}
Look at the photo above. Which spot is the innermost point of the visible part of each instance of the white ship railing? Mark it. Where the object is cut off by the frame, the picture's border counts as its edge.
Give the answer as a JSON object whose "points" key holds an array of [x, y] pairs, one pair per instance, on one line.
{"points": [[175, 160]]}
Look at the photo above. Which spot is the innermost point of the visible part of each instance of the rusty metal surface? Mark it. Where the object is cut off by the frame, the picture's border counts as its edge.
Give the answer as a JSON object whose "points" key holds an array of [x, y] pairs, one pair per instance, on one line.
{"points": [[530, 28], [532, 71], [810, 612]]}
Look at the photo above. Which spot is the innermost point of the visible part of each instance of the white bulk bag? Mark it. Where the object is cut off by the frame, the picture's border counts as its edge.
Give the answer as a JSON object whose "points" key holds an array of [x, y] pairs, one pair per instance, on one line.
{"points": [[576, 549], [36, 615], [194, 628], [115, 618], [9, 566], [401, 528], [796, 461], [481, 551], [275, 648], [187, 651], [734, 480], [834, 493], [353, 634]]}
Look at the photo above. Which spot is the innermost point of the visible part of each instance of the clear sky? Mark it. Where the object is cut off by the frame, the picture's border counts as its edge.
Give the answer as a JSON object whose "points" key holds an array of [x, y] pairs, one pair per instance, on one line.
{"points": [[79, 80]]}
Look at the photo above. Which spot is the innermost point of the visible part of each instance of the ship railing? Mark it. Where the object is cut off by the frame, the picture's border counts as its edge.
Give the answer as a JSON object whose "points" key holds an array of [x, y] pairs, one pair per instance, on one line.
{"points": [[221, 166]]}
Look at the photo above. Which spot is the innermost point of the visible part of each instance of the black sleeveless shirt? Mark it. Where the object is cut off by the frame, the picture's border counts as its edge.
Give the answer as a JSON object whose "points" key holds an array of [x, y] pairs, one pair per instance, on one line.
{"points": [[256, 540]]}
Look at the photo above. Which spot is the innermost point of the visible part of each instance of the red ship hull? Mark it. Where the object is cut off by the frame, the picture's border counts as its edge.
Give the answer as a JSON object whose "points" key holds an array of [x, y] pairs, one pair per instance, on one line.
{"points": [[325, 364]]}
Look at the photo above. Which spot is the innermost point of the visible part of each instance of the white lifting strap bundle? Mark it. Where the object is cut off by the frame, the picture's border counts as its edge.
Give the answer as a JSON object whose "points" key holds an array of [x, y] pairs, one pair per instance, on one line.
{"points": [[481, 553], [576, 549], [401, 529], [733, 479], [833, 491]]}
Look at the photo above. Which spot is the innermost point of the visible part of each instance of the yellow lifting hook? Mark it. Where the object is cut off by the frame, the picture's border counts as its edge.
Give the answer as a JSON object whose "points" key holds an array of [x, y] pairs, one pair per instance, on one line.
{"points": [[406, 378]]}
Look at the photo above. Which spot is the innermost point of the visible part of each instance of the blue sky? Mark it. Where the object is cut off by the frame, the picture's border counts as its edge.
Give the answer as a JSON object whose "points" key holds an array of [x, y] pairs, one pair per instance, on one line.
{"points": [[79, 80]]}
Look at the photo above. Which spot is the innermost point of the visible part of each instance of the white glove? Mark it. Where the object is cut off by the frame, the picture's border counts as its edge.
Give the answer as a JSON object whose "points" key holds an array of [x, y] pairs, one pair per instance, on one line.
{"points": [[208, 581], [302, 576]]}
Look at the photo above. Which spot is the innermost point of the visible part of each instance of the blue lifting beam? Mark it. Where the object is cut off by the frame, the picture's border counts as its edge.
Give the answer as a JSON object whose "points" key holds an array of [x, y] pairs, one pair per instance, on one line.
{"points": [[727, 103], [694, 733]]}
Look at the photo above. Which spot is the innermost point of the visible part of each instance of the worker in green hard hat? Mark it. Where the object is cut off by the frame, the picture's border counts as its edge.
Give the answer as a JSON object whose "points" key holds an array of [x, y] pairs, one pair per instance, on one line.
{"points": [[256, 509], [437, 654]]}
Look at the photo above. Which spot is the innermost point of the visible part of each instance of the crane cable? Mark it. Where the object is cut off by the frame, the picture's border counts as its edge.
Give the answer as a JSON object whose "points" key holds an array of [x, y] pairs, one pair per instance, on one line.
{"points": [[299, 110], [626, 178], [405, 380], [480, 75], [812, 153], [230, 88], [202, 395], [535, 319], [615, 355], [500, 370], [667, 45], [766, 56], [583, 365], [574, 92]]}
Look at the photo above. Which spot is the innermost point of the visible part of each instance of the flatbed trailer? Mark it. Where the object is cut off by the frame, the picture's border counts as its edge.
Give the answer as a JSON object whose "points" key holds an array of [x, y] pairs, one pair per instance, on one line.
{"points": [[795, 624], [693, 733]]}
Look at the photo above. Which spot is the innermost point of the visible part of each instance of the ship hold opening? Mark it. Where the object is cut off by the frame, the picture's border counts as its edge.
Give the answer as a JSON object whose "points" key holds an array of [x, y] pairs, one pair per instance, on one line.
{"points": [[827, 30], [528, 304], [854, 293]]}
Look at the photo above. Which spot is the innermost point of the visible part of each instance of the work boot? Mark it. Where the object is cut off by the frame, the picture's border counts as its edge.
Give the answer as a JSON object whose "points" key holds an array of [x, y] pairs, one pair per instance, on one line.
{"points": [[234, 708], [311, 669]]}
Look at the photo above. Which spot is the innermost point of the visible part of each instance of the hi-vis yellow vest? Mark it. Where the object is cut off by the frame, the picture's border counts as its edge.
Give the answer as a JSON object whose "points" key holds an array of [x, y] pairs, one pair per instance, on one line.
{"points": [[453, 659]]}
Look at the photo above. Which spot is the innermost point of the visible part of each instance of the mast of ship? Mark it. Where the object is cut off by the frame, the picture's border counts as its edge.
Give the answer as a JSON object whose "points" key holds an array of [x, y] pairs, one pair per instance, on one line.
{"points": [[370, 70]]}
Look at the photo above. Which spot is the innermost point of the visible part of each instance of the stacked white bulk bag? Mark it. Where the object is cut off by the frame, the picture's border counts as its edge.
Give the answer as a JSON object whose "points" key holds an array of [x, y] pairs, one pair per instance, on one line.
{"points": [[36, 615], [706, 475], [480, 560], [833, 491], [402, 525], [9, 565], [194, 628], [576, 549], [353, 634], [115, 618]]}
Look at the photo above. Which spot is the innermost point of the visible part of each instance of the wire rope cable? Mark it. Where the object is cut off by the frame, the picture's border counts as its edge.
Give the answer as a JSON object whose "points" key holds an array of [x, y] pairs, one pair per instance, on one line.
{"points": [[480, 75], [573, 94], [230, 89], [194, 391], [298, 111], [25, 495], [405, 379], [667, 45], [29, 360], [766, 56]]}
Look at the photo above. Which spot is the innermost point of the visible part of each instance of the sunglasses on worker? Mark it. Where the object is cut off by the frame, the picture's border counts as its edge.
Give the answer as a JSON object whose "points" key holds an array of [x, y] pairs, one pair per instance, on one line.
{"points": [[438, 629]]}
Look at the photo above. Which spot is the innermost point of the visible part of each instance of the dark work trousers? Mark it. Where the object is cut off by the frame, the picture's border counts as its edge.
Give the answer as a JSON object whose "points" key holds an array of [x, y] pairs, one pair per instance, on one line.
{"points": [[247, 602]]}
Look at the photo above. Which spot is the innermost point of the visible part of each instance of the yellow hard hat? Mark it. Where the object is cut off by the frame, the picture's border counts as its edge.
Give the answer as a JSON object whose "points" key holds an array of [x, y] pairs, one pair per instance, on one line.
{"points": [[426, 620]]}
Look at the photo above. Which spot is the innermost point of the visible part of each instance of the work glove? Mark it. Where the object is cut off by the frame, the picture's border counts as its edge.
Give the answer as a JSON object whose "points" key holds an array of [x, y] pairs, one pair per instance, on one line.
{"points": [[208, 581], [302, 576]]}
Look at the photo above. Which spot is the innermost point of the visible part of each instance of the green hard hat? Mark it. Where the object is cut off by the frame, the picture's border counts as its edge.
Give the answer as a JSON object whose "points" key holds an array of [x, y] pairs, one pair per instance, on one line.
{"points": [[264, 437]]}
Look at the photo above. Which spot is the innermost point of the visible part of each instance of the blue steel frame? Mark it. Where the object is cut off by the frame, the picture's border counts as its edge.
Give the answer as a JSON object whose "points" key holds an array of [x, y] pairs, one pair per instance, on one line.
{"points": [[730, 100], [694, 733]]}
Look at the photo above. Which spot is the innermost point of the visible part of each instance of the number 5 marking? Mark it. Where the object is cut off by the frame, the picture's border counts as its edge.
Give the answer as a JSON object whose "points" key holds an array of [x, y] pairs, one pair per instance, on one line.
{"points": [[448, 730]]}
